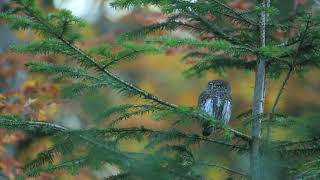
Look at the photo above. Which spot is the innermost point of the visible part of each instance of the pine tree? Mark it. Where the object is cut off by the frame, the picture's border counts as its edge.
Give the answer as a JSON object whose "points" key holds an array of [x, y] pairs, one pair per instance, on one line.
{"points": [[169, 153]]}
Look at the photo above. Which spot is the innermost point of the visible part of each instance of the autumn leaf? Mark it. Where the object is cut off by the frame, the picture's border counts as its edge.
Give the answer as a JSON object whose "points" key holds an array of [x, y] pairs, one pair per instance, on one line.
{"points": [[48, 112], [2, 101], [240, 4], [279, 34], [29, 86]]}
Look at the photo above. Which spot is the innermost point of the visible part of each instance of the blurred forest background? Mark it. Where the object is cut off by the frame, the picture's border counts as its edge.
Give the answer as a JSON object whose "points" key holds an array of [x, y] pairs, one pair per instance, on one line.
{"points": [[38, 95]]}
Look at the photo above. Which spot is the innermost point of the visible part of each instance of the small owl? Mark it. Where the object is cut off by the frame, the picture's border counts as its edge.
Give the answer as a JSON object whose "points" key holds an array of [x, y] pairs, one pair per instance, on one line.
{"points": [[216, 100]]}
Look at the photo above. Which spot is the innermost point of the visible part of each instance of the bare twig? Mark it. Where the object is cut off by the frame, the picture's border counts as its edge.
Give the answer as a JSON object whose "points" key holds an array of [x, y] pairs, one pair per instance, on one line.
{"points": [[271, 116], [291, 68], [280, 91]]}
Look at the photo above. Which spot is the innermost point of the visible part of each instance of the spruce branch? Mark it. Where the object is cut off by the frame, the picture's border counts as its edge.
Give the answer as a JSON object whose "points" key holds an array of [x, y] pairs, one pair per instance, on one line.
{"points": [[213, 29], [178, 134], [102, 69], [303, 151], [302, 148], [297, 143], [143, 93], [62, 70], [71, 165], [130, 51], [115, 60], [99, 67], [118, 176], [243, 18], [309, 170], [47, 128], [223, 167], [30, 126], [212, 45], [289, 56]]}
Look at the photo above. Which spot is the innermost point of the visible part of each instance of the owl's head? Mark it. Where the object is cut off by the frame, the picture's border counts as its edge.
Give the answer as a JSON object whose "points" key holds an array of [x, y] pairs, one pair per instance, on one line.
{"points": [[219, 85]]}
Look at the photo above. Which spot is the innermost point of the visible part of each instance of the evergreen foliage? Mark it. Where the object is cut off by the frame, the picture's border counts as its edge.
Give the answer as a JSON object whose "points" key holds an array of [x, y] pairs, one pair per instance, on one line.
{"points": [[169, 153]]}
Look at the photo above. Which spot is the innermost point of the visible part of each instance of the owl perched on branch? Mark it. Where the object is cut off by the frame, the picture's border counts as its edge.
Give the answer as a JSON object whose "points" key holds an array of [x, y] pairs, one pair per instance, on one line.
{"points": [[216, 100]]}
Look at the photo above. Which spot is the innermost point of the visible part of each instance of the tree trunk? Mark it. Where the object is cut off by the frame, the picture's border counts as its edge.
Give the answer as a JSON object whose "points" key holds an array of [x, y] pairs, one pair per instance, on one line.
{"points": [[259, 99]]}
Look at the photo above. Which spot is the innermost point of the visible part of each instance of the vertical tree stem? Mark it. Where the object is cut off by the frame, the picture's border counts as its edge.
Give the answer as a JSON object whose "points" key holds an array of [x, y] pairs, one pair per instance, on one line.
{"points": [[258, 102]]}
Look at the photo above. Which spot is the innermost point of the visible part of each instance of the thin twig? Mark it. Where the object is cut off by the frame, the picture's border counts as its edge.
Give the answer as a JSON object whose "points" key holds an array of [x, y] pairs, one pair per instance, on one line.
{"points": [[280, 91], [291, 68], [276, 103]]}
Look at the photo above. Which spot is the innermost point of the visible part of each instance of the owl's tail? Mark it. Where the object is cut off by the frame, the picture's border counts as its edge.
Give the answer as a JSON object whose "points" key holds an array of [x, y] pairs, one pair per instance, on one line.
{"points": [[207, 130]]}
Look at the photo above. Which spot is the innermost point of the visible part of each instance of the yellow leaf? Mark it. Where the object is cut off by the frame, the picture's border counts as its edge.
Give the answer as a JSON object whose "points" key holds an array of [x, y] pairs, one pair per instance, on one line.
{"points": [[2, 101], [2, 97], [29, 86], [9, 138], [48, 112]]}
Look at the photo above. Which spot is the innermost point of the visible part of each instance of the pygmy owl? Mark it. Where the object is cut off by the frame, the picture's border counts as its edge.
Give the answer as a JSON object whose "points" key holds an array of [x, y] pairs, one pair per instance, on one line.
{"points": [[216, 100]]}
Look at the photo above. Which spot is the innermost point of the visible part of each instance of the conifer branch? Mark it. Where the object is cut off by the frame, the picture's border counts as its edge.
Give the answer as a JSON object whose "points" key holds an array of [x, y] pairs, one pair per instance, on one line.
{"points": [[49, 128], [309, 147], [239, 49], [143, 93], [117, 176], [224, 168], [54, 128], [64, 165], [294, 143], [102, 69], [214, 29], [236, 13], [115, 60], [304, 151], [179, 134]]}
